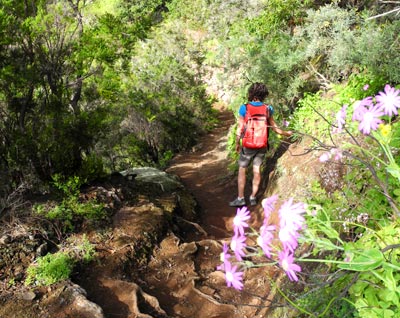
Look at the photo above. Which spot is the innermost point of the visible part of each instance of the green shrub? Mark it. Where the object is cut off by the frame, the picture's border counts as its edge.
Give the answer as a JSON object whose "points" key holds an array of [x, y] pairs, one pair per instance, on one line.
{"points": [[50, 269], [92, 168], [70, 210], [82, 249]]}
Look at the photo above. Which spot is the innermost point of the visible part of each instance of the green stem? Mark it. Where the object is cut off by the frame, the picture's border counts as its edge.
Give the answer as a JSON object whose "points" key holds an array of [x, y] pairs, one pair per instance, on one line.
{"points": [[397, 268], [366, 152], [304, 311]]}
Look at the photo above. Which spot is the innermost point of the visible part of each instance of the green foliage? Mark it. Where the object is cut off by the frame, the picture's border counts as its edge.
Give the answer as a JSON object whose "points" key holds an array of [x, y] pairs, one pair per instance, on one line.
{"points": [[53, 268], [166, 99], [49, 269], [371, 46], [278, 16], [354, 88], [68, 188], [323, 297], [92, 168], [54, 109], [370, 264], [67, 213], [314, 114], [377, 288], [296, 49], [82, 249]]}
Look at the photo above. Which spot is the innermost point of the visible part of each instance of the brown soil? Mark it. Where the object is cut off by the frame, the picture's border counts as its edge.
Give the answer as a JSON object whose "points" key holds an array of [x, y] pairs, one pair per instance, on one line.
{"points": [[205, 172]]}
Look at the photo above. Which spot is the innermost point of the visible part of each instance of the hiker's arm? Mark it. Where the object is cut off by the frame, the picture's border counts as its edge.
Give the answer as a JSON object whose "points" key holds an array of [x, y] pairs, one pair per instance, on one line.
{"points": [[239, 132], [276, 129]]}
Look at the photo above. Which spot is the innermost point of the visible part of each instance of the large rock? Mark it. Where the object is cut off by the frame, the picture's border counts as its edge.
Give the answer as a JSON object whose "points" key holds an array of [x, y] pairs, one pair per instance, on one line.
{"points": [[153, 178]]}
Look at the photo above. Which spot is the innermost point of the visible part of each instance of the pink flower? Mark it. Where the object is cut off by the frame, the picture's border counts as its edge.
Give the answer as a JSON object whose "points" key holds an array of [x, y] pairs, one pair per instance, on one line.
{"points": [[324, 157], [365, 87], [291, 215], [286, 262], [389, 100], [341, 119], [238, 244], [233, 277], [348, 257], [239, 221], [360, 107], [370, 120], [269, 204], [335, 152], [224, 257], [288, 238], [265, 238]]}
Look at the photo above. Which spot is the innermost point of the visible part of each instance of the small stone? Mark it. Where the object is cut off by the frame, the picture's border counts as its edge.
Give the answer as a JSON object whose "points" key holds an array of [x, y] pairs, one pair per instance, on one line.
{"points": [[42, 250], [5, 239], [28, 296]]}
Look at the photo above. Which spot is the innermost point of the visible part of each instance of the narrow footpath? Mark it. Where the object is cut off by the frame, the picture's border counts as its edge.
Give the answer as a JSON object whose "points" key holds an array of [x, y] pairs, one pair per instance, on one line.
{"points": [[205, 173]]}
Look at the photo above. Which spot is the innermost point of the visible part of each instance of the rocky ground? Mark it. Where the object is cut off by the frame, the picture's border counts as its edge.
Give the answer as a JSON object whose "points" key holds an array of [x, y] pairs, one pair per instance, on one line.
{"points": [[156, 256]]}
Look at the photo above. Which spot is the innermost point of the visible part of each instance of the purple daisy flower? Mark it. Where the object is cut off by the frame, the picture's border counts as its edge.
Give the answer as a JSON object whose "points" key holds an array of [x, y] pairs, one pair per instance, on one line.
{"points": [[389, 100], [269, 204], [288, 238], [325, 157], [291, 215], [337, 154], [239, 221], [341, 119], [265, 238], [370, 120], [286, 262], [360, 107], [238, 244], [233, 277], [224, 257]]}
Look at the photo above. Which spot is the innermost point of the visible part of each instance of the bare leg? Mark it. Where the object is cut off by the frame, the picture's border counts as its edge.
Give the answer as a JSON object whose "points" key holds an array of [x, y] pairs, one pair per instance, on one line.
{"points": [[241, 181], [256, 180]]}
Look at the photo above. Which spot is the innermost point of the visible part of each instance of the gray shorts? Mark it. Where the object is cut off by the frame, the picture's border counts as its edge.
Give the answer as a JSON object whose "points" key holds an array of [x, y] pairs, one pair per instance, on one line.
{"points": [[248, 154]]}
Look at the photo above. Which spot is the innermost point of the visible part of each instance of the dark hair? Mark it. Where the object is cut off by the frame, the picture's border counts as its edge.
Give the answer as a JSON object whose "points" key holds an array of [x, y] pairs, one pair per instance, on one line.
{"points": [[257, 91]]}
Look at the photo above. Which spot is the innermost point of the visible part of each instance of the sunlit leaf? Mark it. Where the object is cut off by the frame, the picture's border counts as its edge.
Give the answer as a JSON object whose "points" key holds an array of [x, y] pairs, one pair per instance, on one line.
{"points": [[365, 261]]}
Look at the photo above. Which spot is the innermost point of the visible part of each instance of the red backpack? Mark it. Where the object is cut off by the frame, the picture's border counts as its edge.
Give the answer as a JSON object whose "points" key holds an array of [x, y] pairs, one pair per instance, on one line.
{"points": [[256, 127]]}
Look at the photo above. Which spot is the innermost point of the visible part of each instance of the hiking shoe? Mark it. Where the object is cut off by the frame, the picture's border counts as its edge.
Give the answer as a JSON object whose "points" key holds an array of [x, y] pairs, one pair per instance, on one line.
{"points": [[253, 201], [238, 202]]}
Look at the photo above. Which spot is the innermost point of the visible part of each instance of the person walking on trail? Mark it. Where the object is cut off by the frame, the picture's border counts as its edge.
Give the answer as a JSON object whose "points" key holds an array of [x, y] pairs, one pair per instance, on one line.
{"points": [[255, 119]]}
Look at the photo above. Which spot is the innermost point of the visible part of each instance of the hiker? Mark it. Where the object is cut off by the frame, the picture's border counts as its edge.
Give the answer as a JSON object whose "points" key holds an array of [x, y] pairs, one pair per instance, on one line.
{"points": [[253, 150]]}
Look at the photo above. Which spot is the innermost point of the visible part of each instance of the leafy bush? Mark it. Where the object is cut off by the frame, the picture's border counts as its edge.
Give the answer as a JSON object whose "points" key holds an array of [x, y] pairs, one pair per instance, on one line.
{"points": [[71, 209], [81, 249], [56, 267], [50, 269]]}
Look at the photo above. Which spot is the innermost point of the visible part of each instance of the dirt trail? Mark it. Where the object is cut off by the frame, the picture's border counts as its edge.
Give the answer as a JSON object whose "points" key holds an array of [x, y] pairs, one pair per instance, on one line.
{"points": [[205, 174], [181, 275]]}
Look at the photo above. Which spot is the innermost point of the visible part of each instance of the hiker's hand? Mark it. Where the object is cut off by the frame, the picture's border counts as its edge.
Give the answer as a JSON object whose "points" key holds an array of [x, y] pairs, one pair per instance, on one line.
{"points": [[237, 147]]}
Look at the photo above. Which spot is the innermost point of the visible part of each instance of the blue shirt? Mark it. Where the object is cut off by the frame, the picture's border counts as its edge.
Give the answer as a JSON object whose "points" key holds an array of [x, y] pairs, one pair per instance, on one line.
{"points": [[242, 109]]}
